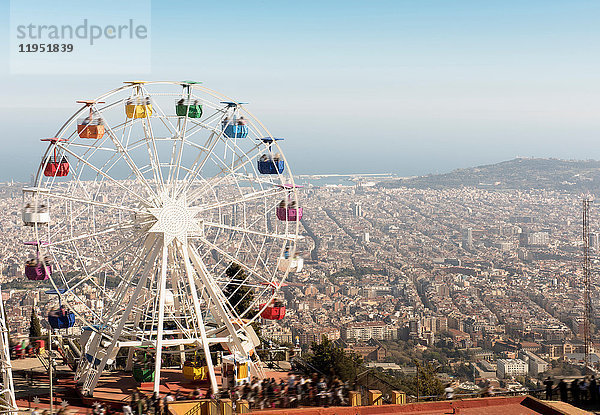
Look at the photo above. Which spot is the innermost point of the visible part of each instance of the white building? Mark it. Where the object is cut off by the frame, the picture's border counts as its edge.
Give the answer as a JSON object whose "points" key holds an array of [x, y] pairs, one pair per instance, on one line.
{"points": [[511, 367], [276, 333], [468, 239], [536, 364], [369, 330]]}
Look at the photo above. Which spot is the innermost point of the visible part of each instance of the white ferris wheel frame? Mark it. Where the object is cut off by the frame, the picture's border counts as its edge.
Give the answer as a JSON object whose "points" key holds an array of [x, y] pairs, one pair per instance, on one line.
{"points": [[151, 251]]}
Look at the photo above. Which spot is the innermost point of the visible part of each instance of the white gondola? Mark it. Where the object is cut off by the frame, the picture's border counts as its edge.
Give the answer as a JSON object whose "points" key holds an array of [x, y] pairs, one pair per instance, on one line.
{"points": [[35, 214], [169, 298], [294, 264], [248, 338]]}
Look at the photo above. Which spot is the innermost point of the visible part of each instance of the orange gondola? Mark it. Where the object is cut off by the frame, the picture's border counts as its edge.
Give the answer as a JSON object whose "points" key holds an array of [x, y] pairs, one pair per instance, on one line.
{"points": [[91, 126]]}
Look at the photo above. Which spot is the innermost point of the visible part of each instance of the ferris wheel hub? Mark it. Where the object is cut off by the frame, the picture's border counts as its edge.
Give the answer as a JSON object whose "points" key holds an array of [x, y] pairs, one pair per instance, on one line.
{"points": [[175, 220]]}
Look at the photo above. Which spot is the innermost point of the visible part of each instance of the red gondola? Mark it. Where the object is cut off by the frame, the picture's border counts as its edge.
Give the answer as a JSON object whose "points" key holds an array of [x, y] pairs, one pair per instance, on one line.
{"points": [[54, 165], [274, 311]]}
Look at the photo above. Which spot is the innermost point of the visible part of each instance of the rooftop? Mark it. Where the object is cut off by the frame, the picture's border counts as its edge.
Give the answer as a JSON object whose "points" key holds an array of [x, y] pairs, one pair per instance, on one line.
{"points": [[514, 405]]}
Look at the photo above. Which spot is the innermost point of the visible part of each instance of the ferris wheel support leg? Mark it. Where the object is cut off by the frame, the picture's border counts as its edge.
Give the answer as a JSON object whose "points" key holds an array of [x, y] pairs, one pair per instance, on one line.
{"points": [[177, 302], [129, 364], [198, 312], [161, 317], [124, 317], [8, 403], [136, 323], [213, 292]]}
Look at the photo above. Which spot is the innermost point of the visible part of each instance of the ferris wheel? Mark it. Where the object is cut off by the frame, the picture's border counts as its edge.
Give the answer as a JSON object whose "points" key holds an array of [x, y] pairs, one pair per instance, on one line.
{"points": [[165, 218]]}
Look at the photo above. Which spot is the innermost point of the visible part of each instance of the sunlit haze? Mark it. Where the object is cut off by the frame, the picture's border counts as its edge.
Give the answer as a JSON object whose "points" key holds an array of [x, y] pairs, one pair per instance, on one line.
{"points": [[389, 86]]}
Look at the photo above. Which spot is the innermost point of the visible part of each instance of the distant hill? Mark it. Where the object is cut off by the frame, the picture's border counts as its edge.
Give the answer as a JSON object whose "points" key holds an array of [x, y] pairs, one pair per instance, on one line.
{"points": [[520, 173]]}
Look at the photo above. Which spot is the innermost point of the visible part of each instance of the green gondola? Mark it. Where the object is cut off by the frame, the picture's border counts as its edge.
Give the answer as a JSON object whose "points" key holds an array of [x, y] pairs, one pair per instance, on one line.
{"points": [[192, 110]]}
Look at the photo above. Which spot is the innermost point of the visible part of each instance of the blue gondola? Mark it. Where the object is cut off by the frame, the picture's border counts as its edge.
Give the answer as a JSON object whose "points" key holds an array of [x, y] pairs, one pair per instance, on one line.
{"points": [[234, 127], [61, 318], [271, 166], [269, 163], [236, 131]]}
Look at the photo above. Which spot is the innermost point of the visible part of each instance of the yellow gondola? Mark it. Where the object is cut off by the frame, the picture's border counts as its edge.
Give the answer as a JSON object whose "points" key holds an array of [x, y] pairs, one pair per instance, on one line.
{"points": [[139, 107]]}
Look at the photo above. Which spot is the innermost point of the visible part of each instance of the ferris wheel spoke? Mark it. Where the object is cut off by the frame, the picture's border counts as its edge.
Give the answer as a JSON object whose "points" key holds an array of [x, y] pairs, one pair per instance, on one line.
{"points": [[79, 258], [260, 257], [220, 302], [145, 257], [77, 281], [107, 176], [175, 132], [153, 153], [224, 173], [251, 271], [256, 179], [68, 227], [199, 321], [183, 138], [108, 167], [127, 158], [220, 137], [205, 150], [92, 235], [93, 147], [115, 158], [290, 238], [91, 202], [200, 161], [244, 198], [176, 154], [163, 116], [151, 142], [205, 124], [124, 317]]}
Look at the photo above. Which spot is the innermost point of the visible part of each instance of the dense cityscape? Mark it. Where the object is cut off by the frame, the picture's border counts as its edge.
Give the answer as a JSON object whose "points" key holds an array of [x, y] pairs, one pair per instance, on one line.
{"points": [[300, 208], [483, 285]]}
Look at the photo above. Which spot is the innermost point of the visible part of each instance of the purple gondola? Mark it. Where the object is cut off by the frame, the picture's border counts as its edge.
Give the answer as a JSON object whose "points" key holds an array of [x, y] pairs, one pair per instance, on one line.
{"points": [[38, 272], [36, 269]]}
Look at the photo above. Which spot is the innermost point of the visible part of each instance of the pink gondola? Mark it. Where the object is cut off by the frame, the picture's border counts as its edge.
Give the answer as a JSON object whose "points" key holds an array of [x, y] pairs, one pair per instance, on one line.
{"points": [[287, 210], [289, 214]]}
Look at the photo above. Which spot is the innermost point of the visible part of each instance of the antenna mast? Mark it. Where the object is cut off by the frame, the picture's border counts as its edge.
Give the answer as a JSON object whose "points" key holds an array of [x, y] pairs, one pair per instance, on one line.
{"points": [[587, 305]]}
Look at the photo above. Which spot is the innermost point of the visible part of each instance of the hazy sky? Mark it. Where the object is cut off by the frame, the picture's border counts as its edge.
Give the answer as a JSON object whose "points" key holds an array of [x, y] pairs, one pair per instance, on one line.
{"points": [[408, 87]]}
